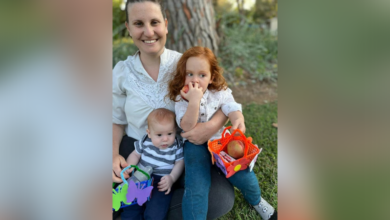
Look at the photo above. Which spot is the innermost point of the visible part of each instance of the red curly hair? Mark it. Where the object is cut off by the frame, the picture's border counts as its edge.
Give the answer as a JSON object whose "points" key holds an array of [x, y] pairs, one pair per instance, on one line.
{"points": [[177, 82]]}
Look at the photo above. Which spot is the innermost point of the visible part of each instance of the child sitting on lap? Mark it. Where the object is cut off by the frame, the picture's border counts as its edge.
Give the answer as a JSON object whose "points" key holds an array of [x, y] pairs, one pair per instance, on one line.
{"points": [[207, 92], [161, 150]]}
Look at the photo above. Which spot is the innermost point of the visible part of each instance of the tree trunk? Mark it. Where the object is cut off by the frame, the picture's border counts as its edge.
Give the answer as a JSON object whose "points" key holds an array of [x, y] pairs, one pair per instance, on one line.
{"points": [[191, 23], [240, 6]]}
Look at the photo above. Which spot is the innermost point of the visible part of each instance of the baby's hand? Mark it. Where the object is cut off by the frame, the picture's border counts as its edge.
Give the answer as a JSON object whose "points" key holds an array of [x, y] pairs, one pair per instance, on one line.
{"points": [[195, 93], [129, 171], [165, 184], [237, 120]]}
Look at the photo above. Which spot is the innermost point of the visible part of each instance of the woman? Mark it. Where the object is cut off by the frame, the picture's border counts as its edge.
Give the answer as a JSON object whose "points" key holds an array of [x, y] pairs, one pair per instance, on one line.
{"points": [[140, 85]]}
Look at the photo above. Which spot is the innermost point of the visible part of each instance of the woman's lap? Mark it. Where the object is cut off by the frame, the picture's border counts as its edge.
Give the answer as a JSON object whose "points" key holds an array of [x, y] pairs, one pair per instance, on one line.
{"points": [[221, 195]]}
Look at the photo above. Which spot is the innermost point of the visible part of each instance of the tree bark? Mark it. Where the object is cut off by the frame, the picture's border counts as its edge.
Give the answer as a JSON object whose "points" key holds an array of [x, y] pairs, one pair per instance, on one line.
{"points": [[240, 6], [191, 23]]}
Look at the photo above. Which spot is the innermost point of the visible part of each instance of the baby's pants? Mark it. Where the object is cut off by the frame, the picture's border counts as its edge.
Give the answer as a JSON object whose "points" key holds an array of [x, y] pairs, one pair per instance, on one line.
{"points": [[155, 209]]}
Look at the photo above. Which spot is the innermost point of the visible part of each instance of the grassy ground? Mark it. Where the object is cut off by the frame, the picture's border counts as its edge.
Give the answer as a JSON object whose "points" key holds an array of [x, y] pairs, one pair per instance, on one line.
{"points": [[258, 121]]}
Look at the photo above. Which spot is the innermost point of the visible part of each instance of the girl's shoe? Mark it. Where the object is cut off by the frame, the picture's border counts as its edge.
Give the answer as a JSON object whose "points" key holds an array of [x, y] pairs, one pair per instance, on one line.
{"points": [[266, 211]]}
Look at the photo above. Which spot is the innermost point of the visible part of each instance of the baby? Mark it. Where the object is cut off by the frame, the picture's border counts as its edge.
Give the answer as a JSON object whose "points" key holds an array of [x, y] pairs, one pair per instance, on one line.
{"points": [[161, 150]]}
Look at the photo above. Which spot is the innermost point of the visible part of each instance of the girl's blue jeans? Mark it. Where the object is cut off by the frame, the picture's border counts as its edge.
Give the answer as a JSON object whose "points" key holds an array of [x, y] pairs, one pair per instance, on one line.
{"points": [[197, 159]]}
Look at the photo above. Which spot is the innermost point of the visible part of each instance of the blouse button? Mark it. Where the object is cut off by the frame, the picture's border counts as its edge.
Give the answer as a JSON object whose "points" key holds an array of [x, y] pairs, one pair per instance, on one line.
{"points": [[215, 108], [201, 104], [202, 114]]}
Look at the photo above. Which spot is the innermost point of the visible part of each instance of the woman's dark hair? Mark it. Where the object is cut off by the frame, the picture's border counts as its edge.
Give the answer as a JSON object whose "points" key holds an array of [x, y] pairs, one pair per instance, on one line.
{"points": [[159, 2]]}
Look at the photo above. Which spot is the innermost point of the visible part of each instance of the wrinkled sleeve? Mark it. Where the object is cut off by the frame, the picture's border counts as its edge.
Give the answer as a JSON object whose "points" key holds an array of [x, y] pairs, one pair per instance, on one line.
{"points": [[228, 103], [138, 146], [118, 94], [180, 109]]}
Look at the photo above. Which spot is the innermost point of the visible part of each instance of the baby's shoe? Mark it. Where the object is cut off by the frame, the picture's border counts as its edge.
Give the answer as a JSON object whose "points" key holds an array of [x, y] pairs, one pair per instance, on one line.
{"points": [[266, 211]]}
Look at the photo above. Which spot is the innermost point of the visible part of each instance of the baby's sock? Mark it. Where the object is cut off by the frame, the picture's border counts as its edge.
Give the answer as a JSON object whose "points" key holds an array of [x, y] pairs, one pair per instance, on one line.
{"points": [[266, 211]]}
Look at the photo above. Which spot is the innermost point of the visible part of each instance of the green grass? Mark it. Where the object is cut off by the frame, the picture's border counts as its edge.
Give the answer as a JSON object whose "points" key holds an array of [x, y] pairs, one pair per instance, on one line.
{"points": [[258, 121]]}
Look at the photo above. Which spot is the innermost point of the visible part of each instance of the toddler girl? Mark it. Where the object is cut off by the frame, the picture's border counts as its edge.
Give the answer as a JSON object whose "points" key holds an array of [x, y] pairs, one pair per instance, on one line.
{"points": [[207, 92]]}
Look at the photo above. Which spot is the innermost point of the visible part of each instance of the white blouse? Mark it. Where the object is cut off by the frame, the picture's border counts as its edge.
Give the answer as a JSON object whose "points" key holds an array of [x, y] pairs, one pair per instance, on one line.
{"points": [[209, 104], [135, 94]]}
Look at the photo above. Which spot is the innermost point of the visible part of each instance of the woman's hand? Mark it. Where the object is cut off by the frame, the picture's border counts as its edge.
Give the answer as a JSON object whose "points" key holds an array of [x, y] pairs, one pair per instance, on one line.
{"points": [[118, 163], [199, 134], [117, 160], [202, 132], [237, 120]]}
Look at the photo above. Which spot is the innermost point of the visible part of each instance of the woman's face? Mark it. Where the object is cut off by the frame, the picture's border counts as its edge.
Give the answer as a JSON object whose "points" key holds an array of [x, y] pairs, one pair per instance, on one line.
{"points": [[147, 27]]}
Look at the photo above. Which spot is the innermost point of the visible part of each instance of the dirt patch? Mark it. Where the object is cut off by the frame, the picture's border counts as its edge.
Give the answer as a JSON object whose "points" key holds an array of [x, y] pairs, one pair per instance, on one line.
{"points": [[259, 92]]}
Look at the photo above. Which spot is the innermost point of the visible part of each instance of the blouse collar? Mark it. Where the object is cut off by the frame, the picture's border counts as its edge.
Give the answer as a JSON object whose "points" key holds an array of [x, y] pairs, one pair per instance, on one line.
{"points": [[163, 56], [139, 67], [206, 94]]}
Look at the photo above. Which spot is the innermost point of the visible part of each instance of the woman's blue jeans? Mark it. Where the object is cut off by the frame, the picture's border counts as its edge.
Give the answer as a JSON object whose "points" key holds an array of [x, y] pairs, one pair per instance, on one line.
{"points": [[197, 159]]}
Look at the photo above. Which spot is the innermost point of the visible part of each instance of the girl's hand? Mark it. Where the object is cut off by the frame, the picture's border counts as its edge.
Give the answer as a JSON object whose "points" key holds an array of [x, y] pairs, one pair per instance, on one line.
{"points": [[238, 122], [165, 184], [195, 93]]}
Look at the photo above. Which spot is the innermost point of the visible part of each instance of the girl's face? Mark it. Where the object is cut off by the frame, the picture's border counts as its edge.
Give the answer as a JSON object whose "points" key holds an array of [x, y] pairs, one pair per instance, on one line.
{"points": [[147, 27], [198, 71]]}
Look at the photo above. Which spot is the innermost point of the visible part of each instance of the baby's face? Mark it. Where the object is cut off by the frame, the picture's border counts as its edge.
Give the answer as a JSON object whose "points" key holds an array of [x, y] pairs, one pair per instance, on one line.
{"points": [[162, 134]]}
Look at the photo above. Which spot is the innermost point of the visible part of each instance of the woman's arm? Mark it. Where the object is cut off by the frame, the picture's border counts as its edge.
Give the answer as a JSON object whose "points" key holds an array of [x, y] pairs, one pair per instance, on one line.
{"points": [[118, 162], [202, 132]]}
